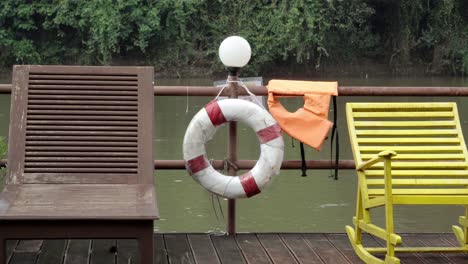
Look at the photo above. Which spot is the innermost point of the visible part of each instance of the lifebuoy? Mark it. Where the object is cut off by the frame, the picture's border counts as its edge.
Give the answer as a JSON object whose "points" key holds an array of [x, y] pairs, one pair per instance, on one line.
{"points": [[202, 129]]}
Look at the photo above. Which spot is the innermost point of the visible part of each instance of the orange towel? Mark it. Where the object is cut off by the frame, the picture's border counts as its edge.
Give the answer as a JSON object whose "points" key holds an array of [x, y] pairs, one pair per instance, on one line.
{"points": [[310, 123]]}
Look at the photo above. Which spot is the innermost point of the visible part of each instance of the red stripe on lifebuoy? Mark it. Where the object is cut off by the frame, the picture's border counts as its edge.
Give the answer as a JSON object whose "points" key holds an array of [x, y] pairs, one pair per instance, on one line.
{"points": [[214, 113], [269, 133], [197, 164], [249, 184]]}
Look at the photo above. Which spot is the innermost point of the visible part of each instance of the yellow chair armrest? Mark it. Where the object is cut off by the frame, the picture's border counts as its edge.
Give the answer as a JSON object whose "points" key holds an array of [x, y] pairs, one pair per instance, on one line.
{"points": [[386, 154]]}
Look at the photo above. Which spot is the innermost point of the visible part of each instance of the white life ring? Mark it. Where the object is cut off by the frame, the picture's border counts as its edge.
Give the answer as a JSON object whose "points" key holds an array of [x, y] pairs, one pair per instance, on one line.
{"points": [[202, 129]]}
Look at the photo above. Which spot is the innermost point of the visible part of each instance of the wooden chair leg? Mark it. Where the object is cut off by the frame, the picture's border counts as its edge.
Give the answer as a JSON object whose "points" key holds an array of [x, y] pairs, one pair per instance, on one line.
{"points": [[3, 259], [145, 247]]}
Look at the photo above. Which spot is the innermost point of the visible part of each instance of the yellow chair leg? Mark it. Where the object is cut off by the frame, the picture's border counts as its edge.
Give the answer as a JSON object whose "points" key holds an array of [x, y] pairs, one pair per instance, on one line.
{"points": [[390, 257], [355, 234], [462, 233], [391, 260], [459, 235], [464, 223], [359, 216], [360, 250]]}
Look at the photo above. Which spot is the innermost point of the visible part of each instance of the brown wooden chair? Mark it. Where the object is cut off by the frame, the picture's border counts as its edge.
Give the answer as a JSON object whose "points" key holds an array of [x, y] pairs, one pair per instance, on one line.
{"points": [[80, 161]]}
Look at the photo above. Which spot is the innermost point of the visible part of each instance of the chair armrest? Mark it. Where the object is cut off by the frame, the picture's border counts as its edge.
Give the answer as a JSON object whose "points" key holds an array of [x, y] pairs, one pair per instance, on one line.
{"points": [[386, 154]]}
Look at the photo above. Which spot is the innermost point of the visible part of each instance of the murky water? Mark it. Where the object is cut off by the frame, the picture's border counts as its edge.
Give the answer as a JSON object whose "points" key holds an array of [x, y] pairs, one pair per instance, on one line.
{"points": [[292, 203]]}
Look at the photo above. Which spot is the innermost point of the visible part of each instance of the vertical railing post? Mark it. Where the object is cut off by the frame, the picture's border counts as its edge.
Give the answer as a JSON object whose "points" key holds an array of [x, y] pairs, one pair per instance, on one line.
{"points": [[232, 156]]}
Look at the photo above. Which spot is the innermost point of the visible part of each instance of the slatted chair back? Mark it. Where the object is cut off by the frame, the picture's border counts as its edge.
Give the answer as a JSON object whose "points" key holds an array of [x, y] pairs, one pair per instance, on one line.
{"points": [[427, 137], [81, 124]]}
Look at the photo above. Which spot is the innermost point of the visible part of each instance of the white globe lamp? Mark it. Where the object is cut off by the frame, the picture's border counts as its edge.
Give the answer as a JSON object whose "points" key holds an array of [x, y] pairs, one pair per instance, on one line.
{"points": [[234, 53]]}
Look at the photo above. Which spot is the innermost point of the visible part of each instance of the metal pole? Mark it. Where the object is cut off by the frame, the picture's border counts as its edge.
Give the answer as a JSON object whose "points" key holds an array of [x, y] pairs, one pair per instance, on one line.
{"points": [[232, 156]]}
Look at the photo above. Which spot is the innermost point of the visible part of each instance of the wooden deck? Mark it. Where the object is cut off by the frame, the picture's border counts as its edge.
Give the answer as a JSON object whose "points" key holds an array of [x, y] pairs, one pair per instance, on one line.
{"points": [[203, 248]]}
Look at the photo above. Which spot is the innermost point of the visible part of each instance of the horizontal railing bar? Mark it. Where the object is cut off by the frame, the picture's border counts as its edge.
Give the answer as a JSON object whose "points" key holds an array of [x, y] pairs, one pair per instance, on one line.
{"points": [[249, 164], [342, 90]]}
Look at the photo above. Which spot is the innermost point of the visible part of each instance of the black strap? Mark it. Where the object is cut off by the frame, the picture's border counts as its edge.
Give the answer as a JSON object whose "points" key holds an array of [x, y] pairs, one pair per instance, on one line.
{"points": [[303, 161], [337, 144]]}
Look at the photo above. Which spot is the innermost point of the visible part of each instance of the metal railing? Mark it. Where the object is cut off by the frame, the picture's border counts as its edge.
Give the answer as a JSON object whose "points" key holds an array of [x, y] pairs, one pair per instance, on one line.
{"points": [[342, 90], [233, 91]]}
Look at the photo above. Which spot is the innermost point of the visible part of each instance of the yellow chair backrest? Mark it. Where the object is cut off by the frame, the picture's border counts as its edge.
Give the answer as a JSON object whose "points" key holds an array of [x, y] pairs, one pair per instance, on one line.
{"points": [[427, 137]]}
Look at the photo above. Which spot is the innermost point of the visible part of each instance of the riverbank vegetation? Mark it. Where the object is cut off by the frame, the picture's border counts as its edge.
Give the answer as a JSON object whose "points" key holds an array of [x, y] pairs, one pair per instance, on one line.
{"points": [[181, 37]]}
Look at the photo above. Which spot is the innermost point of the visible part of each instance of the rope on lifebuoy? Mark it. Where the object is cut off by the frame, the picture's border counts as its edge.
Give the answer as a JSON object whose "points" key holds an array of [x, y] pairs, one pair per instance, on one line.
{"points": [[202, 129]]}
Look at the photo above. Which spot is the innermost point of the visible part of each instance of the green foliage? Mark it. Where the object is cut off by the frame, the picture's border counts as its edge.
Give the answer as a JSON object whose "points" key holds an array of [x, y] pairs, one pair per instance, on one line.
{"points": [[350, 37], [91, 32], [450, 50], [178, 36], [429, 32]]}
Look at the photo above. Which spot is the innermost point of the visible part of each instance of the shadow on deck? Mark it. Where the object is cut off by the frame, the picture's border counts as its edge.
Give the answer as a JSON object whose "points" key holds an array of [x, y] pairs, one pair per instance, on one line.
{"points": [[203, 248]]}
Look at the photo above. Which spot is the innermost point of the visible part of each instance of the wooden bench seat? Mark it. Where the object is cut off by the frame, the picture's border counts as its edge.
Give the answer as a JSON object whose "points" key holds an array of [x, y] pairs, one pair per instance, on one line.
{"points": [[78, 201], [406, 154], [80, 159]]}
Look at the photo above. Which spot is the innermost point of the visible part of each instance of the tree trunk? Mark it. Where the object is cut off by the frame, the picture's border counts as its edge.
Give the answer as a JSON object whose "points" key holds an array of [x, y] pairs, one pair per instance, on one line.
{"points": [[437, 65]]}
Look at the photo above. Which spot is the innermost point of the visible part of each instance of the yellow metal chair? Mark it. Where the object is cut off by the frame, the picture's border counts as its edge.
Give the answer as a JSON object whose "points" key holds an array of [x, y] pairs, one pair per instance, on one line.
{"points": [[406, 153]]}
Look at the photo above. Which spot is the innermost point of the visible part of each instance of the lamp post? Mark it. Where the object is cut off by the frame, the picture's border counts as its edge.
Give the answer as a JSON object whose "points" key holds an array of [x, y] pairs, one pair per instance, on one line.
{"points": [[234, 53]]}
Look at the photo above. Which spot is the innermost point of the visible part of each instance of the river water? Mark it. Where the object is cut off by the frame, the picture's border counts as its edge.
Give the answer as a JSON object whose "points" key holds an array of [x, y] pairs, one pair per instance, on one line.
{"points": [[292, 203]]}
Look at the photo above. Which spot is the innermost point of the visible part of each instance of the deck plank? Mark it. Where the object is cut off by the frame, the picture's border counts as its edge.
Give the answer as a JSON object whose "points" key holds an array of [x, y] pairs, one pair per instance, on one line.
{"points": [[244, 248], [326, 251], [276, 249], [405, 258], [26, 252], [450, 238], [78, 251], [341, 242], [227, 249], [370, 241], [252, 250], [456, 258], [29, 246], [127, 251], [10, 247], [300, 249], [52, 251], [101, 251], [24, 258], [160, 252], [439, 240], [414, 240], [202, 249], [178, 249]]}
